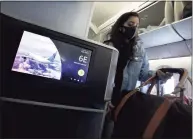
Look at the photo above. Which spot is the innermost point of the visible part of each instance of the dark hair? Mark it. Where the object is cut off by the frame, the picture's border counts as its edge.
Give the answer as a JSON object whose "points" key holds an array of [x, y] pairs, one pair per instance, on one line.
{"points": [[115, 37], [124, 52], [122, 19]]}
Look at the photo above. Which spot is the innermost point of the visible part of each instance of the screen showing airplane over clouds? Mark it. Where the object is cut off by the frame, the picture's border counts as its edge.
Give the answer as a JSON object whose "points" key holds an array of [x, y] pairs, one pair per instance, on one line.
{"points": [[41, 56]]}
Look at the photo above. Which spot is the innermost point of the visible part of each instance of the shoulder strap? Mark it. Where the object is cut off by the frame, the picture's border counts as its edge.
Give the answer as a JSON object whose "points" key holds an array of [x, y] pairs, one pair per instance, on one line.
{"points": [[122, 103], [156, 119], [128, 95]]}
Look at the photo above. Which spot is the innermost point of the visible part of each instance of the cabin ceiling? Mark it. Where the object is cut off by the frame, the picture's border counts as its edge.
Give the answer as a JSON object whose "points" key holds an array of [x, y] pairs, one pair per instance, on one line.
{"points": [[105, 11]]}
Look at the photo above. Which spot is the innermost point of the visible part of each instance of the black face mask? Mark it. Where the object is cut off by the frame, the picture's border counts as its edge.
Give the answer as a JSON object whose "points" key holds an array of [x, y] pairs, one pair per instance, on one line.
{"points": [[128, 32]]}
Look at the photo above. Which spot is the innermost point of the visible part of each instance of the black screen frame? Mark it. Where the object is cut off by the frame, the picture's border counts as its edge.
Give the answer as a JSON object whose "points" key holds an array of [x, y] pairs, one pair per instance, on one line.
{"points": [[60, 92], [80, 46], [58, 37]]}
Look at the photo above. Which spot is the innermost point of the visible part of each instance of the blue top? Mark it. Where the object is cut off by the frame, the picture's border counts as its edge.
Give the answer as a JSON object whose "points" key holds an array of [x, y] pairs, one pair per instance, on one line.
{"points": [[137, 68]]}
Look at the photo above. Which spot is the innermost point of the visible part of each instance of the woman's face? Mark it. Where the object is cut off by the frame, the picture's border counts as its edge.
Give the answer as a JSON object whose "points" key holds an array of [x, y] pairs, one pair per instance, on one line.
{"points": [[132, 22]]}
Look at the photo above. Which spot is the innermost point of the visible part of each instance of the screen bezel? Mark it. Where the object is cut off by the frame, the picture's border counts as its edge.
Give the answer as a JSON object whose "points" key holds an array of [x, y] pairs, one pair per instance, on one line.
{"points": [[71, 43], [52, 90], [24, 26]]}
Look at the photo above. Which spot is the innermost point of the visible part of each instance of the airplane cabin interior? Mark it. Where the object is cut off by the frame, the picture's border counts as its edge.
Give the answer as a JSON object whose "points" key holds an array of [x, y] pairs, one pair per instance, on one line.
{"points": [[57, 75], [162, 29]]}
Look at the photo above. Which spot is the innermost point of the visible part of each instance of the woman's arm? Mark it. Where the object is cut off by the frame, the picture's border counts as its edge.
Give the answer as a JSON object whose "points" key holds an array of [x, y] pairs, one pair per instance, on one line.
{"points": [[145, 73]]}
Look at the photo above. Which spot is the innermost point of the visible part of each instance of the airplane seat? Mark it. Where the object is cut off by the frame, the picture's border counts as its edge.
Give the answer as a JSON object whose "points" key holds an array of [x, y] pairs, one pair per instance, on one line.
{"points": [[174, 11], [169, 12], [187, 11], [178, 10]]}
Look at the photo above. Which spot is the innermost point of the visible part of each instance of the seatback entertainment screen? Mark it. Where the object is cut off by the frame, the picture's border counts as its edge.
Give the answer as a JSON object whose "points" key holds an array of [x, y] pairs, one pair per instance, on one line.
{"points": [[42, 56]]}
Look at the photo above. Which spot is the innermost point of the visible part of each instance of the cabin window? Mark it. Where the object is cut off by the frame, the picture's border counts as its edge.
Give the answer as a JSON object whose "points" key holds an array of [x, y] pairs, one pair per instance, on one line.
{"points": [[169, 86]]}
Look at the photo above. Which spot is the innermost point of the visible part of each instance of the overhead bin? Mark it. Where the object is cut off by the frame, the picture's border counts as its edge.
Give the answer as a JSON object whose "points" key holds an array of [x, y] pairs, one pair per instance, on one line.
{"points": [[184, 28], [178, 49], [161, 36]]}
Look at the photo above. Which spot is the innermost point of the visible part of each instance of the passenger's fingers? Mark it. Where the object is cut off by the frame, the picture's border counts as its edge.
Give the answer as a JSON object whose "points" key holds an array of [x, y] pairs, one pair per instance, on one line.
{"points": [[111, 106]]}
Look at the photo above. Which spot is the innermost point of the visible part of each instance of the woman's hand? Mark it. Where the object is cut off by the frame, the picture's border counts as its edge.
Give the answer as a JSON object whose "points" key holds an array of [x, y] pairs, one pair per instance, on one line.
{"points": [[163, 77], [110, 106]]}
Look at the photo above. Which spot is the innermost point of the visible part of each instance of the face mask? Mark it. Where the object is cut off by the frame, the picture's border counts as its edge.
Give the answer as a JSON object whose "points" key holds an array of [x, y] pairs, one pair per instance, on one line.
{"points": [[128, 32]]}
